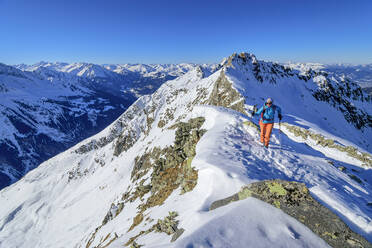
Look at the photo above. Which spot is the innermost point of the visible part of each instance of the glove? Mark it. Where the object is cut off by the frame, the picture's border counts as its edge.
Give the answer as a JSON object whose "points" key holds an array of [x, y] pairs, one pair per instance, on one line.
{"points": [[254, 110], [280, 116]]}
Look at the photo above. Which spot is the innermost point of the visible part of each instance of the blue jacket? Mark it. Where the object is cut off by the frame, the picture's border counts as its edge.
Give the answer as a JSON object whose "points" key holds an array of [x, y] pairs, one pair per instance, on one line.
{"points": [[268, 116]]}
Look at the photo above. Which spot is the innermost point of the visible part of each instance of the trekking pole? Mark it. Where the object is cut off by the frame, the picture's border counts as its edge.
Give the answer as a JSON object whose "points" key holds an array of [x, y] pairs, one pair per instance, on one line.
{"points": [[280, 137]]}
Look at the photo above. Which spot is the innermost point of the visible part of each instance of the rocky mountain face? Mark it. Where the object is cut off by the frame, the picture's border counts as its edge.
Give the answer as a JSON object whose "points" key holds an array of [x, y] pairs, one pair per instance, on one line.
{"points": [[183, 167], [360, 74], [48, 107]]}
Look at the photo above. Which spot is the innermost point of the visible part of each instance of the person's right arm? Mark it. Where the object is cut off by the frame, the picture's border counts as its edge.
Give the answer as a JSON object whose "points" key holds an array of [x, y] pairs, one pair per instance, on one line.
{"points": [[258, 111]]}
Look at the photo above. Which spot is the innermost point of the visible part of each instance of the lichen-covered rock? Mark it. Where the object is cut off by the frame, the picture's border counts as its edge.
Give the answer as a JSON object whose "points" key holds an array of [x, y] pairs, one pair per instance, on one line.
{"points": [[171, 169], [294, 199], [168, 225], [136, 221], [172, 165], [342, 168], [364, 157], [161, 124], [252, 124], [223, 94]]}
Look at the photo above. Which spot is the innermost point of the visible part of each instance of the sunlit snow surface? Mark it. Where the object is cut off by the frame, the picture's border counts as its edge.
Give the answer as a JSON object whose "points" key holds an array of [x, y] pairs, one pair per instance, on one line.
{"points": [[46, 108], [362, 74], [45, 210]]}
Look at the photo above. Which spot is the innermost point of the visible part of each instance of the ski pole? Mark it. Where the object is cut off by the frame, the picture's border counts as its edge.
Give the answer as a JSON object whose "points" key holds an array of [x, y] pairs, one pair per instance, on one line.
{"points": [[280, 137]]}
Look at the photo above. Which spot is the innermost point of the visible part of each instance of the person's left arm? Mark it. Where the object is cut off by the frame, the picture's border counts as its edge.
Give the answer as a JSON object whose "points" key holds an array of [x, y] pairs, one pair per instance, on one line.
{"points": [[279, 112]]}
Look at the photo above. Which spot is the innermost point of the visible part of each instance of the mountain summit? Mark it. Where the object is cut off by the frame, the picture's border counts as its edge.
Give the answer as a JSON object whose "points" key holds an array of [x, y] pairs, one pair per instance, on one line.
{"points": [[183, 167]]}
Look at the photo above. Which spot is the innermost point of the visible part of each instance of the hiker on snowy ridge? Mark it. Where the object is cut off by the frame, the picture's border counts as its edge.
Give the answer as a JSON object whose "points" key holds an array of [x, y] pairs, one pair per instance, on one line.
{"points": [[267, 120]]}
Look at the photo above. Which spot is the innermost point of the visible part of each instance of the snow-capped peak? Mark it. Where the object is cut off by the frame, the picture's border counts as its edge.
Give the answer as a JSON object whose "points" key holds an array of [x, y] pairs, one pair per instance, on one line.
{"points": [[172, 171]]}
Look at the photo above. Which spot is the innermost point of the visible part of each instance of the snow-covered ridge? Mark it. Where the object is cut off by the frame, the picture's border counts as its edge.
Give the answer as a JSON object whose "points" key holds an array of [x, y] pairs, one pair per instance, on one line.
{"points": [[361, 74], [109, 70], [48, 107], [151, 176]]}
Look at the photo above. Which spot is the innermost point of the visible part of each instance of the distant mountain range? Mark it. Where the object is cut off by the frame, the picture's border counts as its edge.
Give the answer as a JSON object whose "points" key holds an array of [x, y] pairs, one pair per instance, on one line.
{"points": [[48, 107], [361, 74], [184, 166]]}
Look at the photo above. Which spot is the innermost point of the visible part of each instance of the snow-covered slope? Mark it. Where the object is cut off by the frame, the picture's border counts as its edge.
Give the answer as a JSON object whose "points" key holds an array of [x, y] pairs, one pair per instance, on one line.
{"points": [[361, 74], [44, 112], [48, 107], [152, 176], [138, 79]]}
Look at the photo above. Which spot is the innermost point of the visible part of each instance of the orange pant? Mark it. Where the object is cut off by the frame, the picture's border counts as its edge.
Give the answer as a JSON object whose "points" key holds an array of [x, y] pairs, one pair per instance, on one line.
{"points": [[266, 129]]}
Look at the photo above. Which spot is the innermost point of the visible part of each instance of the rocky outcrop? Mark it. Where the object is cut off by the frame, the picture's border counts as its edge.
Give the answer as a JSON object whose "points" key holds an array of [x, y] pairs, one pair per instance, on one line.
{"points": [[223, 94], [252, 124], [262, 71], [168, 225], [341, 96], [294, 199], [171, 169], [351, 151], [124, 131]]}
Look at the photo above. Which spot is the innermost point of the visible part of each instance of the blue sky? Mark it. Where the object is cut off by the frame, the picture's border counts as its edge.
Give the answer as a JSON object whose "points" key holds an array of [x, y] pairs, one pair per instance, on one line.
{"points": [[174, 31]]}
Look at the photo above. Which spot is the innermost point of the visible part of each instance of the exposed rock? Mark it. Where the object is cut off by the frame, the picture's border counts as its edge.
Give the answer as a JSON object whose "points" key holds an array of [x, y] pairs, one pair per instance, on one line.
{"points": [[173, 162], [331, 162], [106, 242], [342, 168], [161, 123], [294, 199], [166, 117], [114, 211], [120, 130], [351, 151], [136, 221], [355, 178], [76, 173], [340, 96], [252, 124], [262, 71], [168, 225], [135, 245], [171, 169], [125, 141], [223, 94]]}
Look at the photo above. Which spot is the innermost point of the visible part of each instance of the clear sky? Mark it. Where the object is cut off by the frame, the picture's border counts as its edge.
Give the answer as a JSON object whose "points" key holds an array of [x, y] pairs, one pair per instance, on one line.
{"points": [[175, 31]]}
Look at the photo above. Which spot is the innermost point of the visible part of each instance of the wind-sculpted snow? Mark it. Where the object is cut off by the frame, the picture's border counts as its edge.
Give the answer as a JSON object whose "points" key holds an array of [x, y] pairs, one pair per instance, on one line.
{"points": [[150, 178]]}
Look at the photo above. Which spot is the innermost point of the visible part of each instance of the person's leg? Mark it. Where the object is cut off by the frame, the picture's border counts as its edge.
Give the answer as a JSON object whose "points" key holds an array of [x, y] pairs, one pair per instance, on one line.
{"points": [[268, 129], [262, 127]]}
